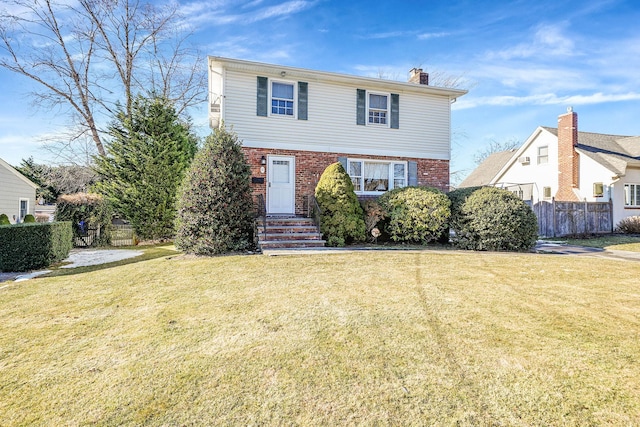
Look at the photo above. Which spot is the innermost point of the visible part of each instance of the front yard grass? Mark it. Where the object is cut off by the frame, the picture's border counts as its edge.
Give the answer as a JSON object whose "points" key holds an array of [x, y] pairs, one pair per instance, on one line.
{"points": [[370, 337]]}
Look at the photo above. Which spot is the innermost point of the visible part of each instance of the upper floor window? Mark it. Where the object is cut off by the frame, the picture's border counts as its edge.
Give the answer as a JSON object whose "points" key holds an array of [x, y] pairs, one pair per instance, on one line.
{"points": [[632, 194], [282, 95], [378, 109], [372, 176], [282, 98], [543, 155]]}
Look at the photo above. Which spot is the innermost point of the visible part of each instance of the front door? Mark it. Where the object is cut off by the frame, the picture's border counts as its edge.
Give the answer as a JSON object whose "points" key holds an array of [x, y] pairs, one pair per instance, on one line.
{"points": [[281, 186]]}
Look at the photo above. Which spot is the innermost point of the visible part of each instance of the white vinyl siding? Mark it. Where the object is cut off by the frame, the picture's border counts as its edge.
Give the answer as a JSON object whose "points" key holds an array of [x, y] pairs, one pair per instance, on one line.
{"points": [[331, 124], [15, 188]]}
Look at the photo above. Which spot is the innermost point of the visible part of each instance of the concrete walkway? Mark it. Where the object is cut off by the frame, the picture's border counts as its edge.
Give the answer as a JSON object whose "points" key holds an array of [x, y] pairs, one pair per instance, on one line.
{"points": [[78, 258]]}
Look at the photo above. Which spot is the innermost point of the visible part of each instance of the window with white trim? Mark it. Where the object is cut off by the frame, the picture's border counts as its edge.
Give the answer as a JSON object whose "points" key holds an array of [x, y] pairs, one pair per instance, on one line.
{"points": [[543, 155], [632, 195], [378, 107], [282, 96], [24, 208], [375, 176], [546, 193]]}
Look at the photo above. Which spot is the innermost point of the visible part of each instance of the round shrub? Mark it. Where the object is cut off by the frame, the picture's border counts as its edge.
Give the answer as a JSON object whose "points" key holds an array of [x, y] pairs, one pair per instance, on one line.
{"points": [[629, 225], [4, 219], [457, 198], [415, 214], [494, 219], [341, 216], [28, 218]]}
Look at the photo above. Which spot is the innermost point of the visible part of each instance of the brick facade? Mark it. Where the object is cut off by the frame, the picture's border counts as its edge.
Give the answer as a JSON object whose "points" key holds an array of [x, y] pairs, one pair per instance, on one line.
{"points": [[568, 160], [310, 165]]}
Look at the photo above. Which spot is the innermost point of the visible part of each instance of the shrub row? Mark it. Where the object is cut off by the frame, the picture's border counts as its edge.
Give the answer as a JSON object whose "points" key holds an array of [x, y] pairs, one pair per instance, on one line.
{"points": [[30, 246], [479, 218]]}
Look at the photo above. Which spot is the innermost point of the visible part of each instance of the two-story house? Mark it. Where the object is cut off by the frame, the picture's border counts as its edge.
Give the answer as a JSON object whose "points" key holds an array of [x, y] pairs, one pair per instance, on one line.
{"points": [[568, 165], [294, 122]]}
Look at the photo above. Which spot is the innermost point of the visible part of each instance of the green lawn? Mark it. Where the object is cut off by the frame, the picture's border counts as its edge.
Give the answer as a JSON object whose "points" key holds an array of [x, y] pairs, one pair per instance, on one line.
{"points": [[361, 338]]}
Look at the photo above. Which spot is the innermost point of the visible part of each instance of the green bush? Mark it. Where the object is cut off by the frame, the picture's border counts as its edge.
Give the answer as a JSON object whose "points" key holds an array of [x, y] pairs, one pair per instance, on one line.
{"points": [[495, 219], [29, 219], [86, 211], [629, 225], [4, 219], [374, 214], [215, 208], [341, 218], [415, 214], [457, 198], [26, 247]]}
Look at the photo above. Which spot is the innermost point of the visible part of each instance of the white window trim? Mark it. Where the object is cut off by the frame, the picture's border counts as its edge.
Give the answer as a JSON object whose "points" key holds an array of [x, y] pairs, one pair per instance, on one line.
{"points": [[544, 196], [22, 199], [637, 205], [359, 191], [538, 155], [381, 125], [295, 98]]}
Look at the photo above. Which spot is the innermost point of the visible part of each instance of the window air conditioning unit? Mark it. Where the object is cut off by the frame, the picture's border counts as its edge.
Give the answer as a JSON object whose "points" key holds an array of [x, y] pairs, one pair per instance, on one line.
{"points": [[524, 160]]}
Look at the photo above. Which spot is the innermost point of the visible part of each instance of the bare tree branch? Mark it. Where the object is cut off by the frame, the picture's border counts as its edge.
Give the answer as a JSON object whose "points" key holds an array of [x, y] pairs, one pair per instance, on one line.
{"points": [[90, 55]]}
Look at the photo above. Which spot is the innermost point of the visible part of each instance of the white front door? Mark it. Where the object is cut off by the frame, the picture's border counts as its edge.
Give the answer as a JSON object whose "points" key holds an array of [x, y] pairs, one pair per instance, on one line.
{"points": [[281, 186]]}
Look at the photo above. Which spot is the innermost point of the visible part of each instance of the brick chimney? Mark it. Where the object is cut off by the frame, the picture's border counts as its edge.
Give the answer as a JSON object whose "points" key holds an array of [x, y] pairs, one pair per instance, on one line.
{"points": [[417, 76], [568, 158]]}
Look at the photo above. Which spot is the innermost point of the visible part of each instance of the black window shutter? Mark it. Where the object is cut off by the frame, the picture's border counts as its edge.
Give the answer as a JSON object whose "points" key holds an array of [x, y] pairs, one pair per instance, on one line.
{"points": [[343, 160], [412, 173], [395, 111], [361, 115], [303, 96], [262, 106]]}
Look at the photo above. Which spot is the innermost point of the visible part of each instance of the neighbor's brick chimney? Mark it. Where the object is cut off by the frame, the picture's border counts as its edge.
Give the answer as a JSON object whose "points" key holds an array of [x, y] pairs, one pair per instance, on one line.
{"points": [[568, 158], [418, 76]]}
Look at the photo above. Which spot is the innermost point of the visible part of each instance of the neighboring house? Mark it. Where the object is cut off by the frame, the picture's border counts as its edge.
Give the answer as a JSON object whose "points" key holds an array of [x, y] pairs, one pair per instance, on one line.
{"points": [[295, 122], [17, 193], [567, 165]]}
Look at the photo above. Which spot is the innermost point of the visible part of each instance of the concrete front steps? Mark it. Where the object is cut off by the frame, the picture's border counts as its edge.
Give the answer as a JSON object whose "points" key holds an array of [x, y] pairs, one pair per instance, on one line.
{"points": [[288, 232]]}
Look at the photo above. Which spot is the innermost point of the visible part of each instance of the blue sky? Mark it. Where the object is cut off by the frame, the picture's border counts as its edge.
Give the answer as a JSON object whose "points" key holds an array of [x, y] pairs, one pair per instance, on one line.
{"points": [[523, 62]]}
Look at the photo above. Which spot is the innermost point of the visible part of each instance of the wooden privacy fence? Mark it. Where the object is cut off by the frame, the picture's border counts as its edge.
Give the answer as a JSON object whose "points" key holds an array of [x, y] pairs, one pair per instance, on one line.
{"points": [[556, 219]]}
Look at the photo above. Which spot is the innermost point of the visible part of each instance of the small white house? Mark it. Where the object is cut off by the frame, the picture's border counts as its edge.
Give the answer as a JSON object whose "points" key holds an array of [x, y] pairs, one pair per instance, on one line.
{"points": [[567, 165], [17, 193], [295, 122]]}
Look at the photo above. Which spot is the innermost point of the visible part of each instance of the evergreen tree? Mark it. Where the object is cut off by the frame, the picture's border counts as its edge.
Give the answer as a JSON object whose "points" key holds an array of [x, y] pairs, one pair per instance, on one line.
{"points": [[145, 162], [215, 207], [342, 219]]}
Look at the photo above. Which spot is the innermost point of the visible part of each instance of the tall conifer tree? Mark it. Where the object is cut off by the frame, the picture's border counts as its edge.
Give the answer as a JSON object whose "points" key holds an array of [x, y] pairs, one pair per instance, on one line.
{"points": [[145, 162]]}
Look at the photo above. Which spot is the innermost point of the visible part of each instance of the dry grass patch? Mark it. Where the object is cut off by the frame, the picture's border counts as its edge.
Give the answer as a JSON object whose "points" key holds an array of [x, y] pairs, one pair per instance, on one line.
{"points": [[357, 338]]}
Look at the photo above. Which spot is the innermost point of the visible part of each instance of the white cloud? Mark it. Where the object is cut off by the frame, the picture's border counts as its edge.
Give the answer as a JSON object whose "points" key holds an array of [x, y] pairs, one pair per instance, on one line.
{"points": [[222, 12], [544, 99], [548, 40], [426, 36]]}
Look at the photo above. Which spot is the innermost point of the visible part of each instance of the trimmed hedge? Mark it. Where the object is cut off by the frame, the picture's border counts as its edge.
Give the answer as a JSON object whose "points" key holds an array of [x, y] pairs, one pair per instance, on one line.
{"points": [[4, 219], [415, 214], [495, 220], [31, 246]]}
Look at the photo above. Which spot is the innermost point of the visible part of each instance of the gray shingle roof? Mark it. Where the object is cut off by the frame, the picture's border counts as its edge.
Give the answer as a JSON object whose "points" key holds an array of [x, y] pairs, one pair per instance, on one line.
{"points": [[615, 152], [488, 169]]}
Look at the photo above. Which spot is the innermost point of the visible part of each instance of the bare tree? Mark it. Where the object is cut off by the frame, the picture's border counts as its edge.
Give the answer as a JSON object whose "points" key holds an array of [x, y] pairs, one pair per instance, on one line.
{"points": [[90, 55], [495, 147]]}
